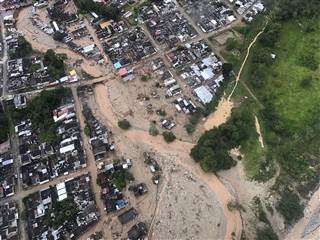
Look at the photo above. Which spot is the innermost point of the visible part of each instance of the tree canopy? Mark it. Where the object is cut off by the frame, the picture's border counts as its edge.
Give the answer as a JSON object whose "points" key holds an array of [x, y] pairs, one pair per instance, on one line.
{"points": [[106, 11], [213, 146]]}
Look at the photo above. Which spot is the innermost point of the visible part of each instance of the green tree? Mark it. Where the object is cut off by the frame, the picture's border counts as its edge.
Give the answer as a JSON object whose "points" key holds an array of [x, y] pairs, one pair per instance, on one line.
{"points": [[87, 131], [153, 131], [23, 50], [54, 63], [290, 207], [61, 212], [266, 234], [124, 124], [168, 136]]}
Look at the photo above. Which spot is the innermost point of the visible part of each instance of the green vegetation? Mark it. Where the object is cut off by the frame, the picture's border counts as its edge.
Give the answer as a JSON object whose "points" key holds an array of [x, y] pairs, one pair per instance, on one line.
{"points": [[39, 110], [153, 131], [289, 206], [145, 78], [108, 12], [54, 63], [124, 124], [4, 123], [119, 178], [226, 70], [60, 213], [288, 89], [23, 50], [193, 120], [168, 136], [266, 233], [232, 44], [58, 36], [212, 149], [234, 205], [87, 131], [289, 92]]}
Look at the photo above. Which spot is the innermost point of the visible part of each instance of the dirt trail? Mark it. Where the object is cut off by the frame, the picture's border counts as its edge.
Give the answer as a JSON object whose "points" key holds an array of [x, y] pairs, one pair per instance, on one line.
{"points": [[178, 148], [258, 128], [224, 108], [244, 63]]}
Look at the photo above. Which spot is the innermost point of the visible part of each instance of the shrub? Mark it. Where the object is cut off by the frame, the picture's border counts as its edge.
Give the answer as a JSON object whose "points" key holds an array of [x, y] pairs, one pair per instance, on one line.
{"points": [[24, 48], [54, 63], [308, 60], [144, 78], [189, 128], [306, 82], [153, 131], [234, 205], [87, 131], [289, 206], [58, 36], [124, 124], [168, 136], [232, 44], [266, 234]]}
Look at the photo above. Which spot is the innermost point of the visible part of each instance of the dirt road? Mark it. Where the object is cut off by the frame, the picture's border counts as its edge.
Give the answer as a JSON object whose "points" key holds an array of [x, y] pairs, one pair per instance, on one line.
{"points": [[177, 148]]}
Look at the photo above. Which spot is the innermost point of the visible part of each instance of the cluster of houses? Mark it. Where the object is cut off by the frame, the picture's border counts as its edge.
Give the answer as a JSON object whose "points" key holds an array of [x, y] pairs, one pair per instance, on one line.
{"points": [[138, 231], [248, 9], [99, 136], [128, 48], [29, 73], [209, 15], [9, 221], [7, 174], [12, 4], [166, 78], [112, 197], [41, 161], [7, 166], [67, 26], [166, 23], [41, 204], [108, 28], [199, 68], [12, 34], [188, 53]]}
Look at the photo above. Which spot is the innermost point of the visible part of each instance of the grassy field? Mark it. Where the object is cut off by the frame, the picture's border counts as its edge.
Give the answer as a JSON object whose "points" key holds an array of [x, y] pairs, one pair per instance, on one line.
{"points": [[295, 105]]}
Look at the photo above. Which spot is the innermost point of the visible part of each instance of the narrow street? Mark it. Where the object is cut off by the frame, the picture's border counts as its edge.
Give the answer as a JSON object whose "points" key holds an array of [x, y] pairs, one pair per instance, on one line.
{"points": [[91, 164], [4, 58]]}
